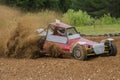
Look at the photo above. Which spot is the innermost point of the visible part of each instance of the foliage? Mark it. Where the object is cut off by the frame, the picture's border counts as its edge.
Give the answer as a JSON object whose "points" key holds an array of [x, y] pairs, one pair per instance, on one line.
{"points": [[77, 18], [95, 8], [107, 19]]}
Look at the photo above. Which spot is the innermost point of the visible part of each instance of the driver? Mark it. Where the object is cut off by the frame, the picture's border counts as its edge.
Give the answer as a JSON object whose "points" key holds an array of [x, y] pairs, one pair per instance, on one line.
{"points": [[60, 31]]}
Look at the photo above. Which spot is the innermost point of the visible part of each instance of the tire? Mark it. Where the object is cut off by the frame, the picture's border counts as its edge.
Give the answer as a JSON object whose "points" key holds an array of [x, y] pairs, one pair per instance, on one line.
{"points": [[113, 50], [79, 52]]}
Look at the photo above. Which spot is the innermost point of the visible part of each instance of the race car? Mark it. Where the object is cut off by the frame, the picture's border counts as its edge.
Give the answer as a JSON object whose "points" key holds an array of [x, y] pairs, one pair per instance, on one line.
{"points": [[69, 41]]}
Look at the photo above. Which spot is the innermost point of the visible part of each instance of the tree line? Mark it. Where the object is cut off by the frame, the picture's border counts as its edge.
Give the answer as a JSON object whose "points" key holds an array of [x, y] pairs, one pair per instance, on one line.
{"points": [[95, 8]]}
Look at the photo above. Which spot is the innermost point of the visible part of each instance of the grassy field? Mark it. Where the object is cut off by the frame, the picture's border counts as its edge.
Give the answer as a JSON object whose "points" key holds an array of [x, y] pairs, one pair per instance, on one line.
{"points": [[99, 29]]}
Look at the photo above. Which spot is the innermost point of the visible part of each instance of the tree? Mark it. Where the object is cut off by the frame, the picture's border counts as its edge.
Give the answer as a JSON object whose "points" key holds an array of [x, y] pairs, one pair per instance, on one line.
{"points": [[114, 8], [95, 8]]}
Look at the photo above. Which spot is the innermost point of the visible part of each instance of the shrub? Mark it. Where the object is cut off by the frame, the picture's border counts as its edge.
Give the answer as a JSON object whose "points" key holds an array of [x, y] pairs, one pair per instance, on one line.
{"points": [[118, 20], [107, 19], [77, 18]]}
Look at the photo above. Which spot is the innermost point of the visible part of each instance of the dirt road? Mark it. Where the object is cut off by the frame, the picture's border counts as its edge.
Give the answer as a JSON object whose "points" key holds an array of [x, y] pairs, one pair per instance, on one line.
{"points": [[98, 68]]}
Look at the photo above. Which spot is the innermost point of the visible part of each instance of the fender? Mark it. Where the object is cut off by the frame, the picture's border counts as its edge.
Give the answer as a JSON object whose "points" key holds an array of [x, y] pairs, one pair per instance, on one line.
{"points": [[74, 44], [108, 39]]}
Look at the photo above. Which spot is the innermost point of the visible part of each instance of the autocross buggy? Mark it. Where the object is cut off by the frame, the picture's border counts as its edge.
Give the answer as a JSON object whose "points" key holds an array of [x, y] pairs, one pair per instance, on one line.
{"points": [[68, 39]]}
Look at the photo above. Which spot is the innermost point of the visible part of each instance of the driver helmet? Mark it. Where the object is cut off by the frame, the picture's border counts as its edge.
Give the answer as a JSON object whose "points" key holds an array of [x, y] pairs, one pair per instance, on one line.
{"points": [[61, 31]]}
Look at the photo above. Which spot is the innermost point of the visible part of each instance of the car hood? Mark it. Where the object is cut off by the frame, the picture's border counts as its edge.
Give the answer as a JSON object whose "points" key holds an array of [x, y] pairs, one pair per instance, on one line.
{"points": [[83, 41], [86, 41]]}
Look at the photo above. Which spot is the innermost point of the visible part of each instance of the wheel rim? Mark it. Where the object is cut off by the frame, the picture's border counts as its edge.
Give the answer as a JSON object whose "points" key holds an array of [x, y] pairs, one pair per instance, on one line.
{"points": [[77, 53]]}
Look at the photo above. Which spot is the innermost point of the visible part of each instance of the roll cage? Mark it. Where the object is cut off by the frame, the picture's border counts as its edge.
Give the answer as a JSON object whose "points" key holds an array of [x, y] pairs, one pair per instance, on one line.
{"points": [[68, 33]]}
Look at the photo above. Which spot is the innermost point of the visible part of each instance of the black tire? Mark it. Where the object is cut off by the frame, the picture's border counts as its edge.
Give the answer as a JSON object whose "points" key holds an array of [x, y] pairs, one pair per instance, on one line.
{"points": [[79, 52], [41, 54], [113, 49]]}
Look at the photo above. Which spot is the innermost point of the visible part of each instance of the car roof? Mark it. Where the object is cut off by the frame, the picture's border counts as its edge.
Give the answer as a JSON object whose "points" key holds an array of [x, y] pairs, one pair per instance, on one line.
{"points": [[60, 24]]}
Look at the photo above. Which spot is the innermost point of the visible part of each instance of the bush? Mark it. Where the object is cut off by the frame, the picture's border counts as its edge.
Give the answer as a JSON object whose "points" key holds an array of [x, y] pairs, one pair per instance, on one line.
{"points": [[118, 20], [77, 18], [107, 19]]}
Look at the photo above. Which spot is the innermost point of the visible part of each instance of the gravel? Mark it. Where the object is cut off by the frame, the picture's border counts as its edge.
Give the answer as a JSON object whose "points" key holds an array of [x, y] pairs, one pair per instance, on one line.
{"points": [[47, 68]]}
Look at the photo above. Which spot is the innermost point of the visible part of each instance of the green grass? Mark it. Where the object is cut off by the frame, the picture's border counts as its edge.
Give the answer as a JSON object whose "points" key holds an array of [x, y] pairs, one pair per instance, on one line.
{"points": [[99, 29]]}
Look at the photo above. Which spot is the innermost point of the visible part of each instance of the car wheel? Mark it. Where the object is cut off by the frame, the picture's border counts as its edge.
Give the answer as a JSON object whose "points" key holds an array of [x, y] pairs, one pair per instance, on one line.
{"points": [[79, 52], [112, 49]]}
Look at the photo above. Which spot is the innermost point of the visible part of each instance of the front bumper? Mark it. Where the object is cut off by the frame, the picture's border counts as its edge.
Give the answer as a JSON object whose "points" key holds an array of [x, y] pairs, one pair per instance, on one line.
{"points": [[99, 48]]}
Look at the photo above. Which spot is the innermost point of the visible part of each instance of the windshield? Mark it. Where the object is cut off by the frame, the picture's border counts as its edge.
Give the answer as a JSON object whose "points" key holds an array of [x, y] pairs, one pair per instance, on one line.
{"points": [[72, 33], [71, 30]]}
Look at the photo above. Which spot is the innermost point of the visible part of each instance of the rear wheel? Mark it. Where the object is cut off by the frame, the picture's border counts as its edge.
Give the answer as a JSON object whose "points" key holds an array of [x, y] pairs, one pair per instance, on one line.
{"points": [[79, 52]]}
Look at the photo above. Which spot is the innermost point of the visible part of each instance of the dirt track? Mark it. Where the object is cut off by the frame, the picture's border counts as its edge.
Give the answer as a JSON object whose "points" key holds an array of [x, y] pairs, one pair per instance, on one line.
{"points": [[99, 68]]}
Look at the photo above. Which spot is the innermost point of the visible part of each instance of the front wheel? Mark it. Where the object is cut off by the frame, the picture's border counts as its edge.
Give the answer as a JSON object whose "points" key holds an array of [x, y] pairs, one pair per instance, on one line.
{"points": [[113, 50], [79, 52]]}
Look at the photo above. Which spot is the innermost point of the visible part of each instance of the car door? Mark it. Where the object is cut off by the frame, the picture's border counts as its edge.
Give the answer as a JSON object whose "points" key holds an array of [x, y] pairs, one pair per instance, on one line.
{"points": [[59, 41]]}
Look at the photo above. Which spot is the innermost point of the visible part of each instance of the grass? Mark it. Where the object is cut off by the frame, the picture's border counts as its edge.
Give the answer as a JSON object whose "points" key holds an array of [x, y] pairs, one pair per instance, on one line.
{"points": [[99, 29]]}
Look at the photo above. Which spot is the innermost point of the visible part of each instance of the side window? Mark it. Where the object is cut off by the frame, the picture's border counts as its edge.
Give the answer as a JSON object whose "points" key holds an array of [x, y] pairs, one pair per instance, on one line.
{"points": [[56, 34]]}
